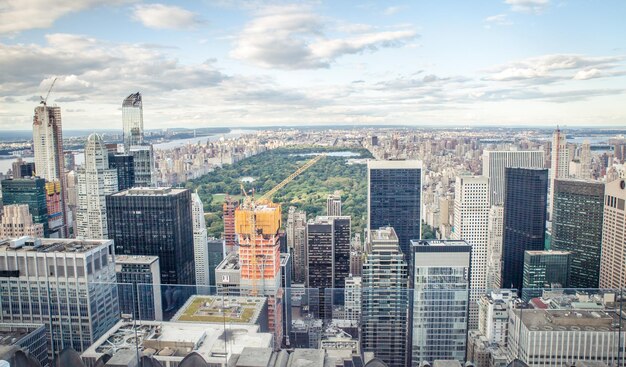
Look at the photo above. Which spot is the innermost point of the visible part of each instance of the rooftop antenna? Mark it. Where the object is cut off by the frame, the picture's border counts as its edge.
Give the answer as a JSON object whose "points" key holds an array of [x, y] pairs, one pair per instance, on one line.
{"points": [[45, 100]]}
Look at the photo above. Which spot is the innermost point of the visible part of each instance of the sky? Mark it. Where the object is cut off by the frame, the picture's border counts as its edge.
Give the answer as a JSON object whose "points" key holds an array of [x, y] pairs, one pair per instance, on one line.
{"points": [[236, 63]]}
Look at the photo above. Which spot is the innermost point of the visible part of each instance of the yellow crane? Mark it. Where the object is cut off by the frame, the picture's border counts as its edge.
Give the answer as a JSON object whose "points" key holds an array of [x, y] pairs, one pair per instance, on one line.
{"points": [[249, 229]]}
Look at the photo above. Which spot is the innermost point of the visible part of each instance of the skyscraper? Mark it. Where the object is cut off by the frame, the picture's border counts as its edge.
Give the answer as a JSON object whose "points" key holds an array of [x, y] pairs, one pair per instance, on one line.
{"points": [[585, 160], [524, 220], [441, 285], [394, 199], [612, 269], [385, 299], [228, 209], [471, 219], [125, 166], [495, 162], [155, 222], [49, 155], [95, 181], [333, 204], [216, 255], [200, 249], [17, 221], [559, 163], [143, 165], [75, 296], [30, 191], [296, 242], [132, 120], [494, 247], [21, 168], [544, 269], [577, 228], [139, 286]]}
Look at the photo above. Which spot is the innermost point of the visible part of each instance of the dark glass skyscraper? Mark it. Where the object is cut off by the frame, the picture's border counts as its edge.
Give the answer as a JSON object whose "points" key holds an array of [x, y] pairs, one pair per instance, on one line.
{"points": [[394, 199], [543, 269], [31, 191], [125, 170], [577, 227], [525, 204], [155, 222], [320, 273]]}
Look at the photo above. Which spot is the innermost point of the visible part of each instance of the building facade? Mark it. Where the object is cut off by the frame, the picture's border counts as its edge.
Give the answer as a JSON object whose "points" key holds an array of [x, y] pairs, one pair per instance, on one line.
{"points": [[139, 286], [95, 181], [577, 227], [200, 248], [494, 246], [524, 220], [132, 120], [125, 167], [30, 191], [441, 295], [495, 163], [143, 165], [545, 269], [385, 299], [155, 222], [67, 285], [296, 242], [394, 198], [17, 221], [333, 204], [613, 258]]}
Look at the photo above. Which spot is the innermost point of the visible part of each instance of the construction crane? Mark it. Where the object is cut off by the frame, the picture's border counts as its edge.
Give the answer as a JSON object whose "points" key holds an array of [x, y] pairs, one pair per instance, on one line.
{"points": [[249, 230], [44, 101]]}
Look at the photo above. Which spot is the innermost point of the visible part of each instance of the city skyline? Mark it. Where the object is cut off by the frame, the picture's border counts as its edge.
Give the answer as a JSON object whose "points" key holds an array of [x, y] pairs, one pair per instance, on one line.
{"points": [[532, 62]]}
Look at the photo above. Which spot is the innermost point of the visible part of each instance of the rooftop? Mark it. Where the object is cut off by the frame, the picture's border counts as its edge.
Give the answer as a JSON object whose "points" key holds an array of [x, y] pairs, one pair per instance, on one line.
{"points": [[29, 244], [548, 252], [150, 191], [231, 262], [135, 259], [219, 309], [569, 320], [214, 342], [12, 333], [394, 164]]}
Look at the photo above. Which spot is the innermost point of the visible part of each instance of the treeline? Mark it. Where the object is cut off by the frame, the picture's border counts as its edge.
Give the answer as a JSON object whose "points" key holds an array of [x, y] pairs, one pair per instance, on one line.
{"points": [[307, 192]]}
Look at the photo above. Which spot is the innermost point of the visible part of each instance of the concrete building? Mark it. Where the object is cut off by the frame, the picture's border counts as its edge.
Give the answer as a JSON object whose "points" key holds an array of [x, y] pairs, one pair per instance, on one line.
{"points": [[139, 286], [385, 298], [493, 315], [559, 163], [228, 276], [95, 181], [333, 204], [68, 284], [30, 191], [296, 242], [200, 248], [353, 298], [441, 292], [30, 338], [545, 269], [170, 342], [16, 221], [612, 269], [394, 199], [495, 228], [577, 227], [495, 163], [49, 155], [471, 223], [559, 337], [524, 220]]}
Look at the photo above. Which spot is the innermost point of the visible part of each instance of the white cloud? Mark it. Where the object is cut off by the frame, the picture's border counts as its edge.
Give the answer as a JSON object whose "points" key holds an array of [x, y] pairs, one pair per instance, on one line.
{"points": [[21, 15], [550, 68], [161, 16], [499, 19], [293, 37], [392, 10], [528, 6]]}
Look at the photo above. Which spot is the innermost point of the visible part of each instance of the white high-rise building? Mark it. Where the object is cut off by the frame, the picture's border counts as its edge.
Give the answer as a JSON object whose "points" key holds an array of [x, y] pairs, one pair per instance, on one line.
{"points": [[66, 284], [494, 314], [132, 120], [352, 295], [495, 162], [495, 229], [95, 181], [49, 159], [333, 204], [200, 247], [585, 160], [471, 219], [559, 164], [613, 258]]}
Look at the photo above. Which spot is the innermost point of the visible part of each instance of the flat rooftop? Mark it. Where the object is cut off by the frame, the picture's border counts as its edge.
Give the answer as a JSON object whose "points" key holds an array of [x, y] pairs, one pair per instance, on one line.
{"points": [[547, 252], [12, 333], [569, 320], [172, 340], [394, 164], [440, 243], [231, 262], [135, 259], [219, 309], [29, 244], [150, 191]]}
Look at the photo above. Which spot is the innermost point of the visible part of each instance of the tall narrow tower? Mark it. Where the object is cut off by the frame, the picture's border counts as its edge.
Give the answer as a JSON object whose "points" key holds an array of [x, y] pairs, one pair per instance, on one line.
{"points": [[200, 247], [95, 181], [559, 163], [48, 147], [132, 118]]}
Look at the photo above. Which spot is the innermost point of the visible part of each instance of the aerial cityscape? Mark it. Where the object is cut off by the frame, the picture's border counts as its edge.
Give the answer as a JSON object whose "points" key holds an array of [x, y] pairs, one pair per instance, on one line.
{"points": [[275, 184]]}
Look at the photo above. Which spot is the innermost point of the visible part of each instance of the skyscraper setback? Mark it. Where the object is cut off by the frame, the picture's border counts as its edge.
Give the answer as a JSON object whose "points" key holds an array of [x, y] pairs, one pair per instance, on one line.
{"points": [[524, 220], [394, 199]]}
